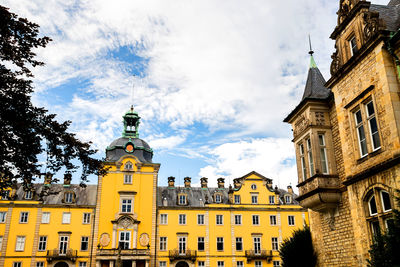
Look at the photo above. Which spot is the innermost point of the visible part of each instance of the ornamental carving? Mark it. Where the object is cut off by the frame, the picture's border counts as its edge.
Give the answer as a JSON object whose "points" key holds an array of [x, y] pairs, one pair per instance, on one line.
{"points": [[372, 22], [345, 7], [105, 239], [125, 222], [319, 118], [300, 125], [336, 62]]}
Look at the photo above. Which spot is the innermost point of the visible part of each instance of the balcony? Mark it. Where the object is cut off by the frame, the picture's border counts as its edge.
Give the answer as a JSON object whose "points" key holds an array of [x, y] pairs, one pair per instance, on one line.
{"points": [[123, 252], [258, 255], [187, 255], [320, 192], [55, 254]]}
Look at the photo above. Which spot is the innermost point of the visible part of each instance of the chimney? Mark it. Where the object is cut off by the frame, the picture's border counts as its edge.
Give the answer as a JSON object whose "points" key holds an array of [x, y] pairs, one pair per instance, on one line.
{"points": [[221, 182], [236, 183], [269, 184], [48, 177], [187, 181], [290, 189], [67, 179], [277, 200], [171, 181], [203, 182]]}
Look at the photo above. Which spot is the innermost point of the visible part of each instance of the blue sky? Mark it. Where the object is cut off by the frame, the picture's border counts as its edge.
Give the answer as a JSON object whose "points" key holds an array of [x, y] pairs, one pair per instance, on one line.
{"points": [[213, 79]]}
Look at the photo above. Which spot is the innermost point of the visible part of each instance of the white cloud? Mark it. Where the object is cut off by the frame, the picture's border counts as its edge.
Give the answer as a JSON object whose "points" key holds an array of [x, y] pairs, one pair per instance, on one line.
{"points": [[271, 157], [166, 142]]}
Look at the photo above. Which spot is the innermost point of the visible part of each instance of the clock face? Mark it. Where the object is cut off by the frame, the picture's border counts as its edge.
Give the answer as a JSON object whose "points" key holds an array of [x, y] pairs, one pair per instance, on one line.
{"points": [[144, 239], [129, 148]]}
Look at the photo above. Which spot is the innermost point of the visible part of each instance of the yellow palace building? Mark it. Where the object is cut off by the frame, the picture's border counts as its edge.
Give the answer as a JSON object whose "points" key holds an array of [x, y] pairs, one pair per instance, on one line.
{"points": [[126, 220]]}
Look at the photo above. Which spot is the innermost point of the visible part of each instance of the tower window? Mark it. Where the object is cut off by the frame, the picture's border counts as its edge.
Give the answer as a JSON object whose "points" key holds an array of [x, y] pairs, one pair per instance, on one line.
{"points": [[323, 156], [353, 45], [310, 157], [303, 162], [218, 198], [373, 126]]}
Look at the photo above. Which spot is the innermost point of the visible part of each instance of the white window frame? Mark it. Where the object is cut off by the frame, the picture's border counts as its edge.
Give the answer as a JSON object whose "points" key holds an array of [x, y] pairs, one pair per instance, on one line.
{"points": [[219, 219], [323, 154], [353, 46], [253, 186], [82, 264], [276, 263], [66, 218], [239, 264], [220, 240], [238, 240], [255, 220], [220, 263], [127, 205], [272, 220], [20, 243], [128, 166], [84, 239], [237, 199], [310, 157], [24, 217], [124, 239], [370, 118], [28, 195], [200, 219], [271, 199], [201, 240], [182, 199], [40, 264], [3, 216], [162, 263], [182, 245], [86, 218], [63, 244], [257, 263], [238, 219], [182, 219], [291, 220], [303, 162], [42, 244], [254, 199], [275, 243], [257, 244], [69, 197], [164, 218], [218, 198], [382, 201], [1, 241], [17, 264], [288, 199], [360, 127], [46, 217], [127, 178], [201, 264], [369, 205], [163, 243]]}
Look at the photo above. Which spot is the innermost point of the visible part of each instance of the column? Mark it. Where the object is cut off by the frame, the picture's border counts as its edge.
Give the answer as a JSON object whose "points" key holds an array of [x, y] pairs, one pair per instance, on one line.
{"points": [[147, 263], [97, 263], [133, 263], [111, 263]]}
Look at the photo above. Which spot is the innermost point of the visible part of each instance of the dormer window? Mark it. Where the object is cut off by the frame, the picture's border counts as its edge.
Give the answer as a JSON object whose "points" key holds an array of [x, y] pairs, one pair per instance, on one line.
{"points": [[218, 198], [353, 45], [28, 195], [237, 199], [128, 166], [68, 197], [182, 199], [288, 199]]}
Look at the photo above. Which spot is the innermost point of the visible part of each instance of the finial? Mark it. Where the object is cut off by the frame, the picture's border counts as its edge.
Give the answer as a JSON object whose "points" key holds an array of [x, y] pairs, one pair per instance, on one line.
{"points": [[311, 52]]}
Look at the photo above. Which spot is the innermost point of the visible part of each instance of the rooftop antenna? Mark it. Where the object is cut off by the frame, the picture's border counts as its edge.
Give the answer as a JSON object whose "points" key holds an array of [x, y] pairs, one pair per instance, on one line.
{"points": [[309, 41], [132, 91]]}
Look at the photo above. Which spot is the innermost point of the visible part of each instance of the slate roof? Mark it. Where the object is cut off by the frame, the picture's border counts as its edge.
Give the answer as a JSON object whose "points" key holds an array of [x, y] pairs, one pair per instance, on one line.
{"points": [[315, 88], [83, 196], [390, 14], [117, 149]]}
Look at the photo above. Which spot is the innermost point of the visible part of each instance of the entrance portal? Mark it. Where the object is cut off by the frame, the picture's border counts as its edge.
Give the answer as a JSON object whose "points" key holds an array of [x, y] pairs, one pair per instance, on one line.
{"points": [[61, 264], [182, 264]]}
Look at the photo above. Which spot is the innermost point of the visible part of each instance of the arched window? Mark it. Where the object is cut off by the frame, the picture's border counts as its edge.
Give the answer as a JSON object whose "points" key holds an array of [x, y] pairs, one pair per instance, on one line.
{"points": [[128, 166], [379, 210]]}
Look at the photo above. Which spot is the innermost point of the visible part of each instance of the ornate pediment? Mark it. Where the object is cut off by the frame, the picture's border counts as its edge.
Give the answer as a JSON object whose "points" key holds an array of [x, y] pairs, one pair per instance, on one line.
{"points": [[126, 221], [344, 10], [300, 125]]}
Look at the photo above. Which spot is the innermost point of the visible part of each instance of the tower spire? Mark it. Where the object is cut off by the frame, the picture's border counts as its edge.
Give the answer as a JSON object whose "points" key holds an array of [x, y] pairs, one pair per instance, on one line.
{"points": [[311, 52]]}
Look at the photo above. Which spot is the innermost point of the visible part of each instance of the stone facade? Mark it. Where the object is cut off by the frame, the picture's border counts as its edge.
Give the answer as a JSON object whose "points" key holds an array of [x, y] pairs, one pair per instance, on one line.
{"points": [[352, 198]]}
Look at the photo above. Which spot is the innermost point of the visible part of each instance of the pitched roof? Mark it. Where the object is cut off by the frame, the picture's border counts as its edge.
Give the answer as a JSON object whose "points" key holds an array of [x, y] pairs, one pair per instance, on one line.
{"points": [[315, 88]]}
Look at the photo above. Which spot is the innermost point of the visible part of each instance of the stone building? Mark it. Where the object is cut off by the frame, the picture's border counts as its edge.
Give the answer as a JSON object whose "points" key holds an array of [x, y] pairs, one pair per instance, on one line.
{"points": [[346, 133]]}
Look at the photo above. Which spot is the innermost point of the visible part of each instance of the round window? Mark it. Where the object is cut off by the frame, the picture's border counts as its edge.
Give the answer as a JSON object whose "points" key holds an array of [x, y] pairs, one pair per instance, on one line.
{"points": [[253, 186], [129, 148]]}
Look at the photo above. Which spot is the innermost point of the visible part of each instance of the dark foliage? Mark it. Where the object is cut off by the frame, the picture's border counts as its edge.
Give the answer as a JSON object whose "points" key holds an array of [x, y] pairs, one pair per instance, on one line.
{"points": [[298, 251], [27, 131], [385, 250]]}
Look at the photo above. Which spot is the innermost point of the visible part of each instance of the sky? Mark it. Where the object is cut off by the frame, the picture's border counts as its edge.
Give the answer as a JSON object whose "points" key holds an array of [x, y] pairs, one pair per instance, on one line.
{"points": [[212, 80]]}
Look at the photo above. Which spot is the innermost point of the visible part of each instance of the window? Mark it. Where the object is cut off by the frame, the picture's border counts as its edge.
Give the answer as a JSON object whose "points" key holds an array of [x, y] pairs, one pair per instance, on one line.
{"points": [[84, 243], [128, 166], [291, 220], [322, 152], [272, 219], [218, 198], [310, 157], [163, 264], [372, 206], [239, 264], [126, 205], [127, 178], [23, 217], [86, 218], [353, 45], [201, 264], [373, 126], [182, 200], [163, 243], [164, 218], [17, 264], [360, 133], [200, 219], [28, 195], [5, 195], [82, 264], [257, 264], [271, 199], [288, 199], [253, 186], [63, 245], [239, 244], [3, 215], [46, 217], [220, 264], [68, 197], [42, 243], [274, 243], [257, 244], [385, 198], [182, 218], [276, 263], [200, 243], [256, 220], [220, 243], [182, 244], [124, 239], [238, 219], [237, 199], [66, 218], [254, 199], [219, 219], [40, 264], [20, 243], [303, 162], [1, 241]]}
